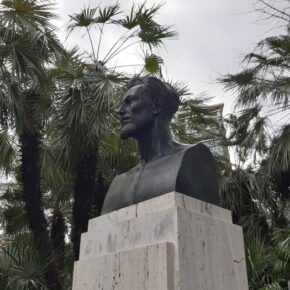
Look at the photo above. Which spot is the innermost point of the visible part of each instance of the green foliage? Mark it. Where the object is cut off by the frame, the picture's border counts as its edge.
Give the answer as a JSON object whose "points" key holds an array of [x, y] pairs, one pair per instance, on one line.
{"points": [[268, 262], [76, 99], [139, 28], [279, 152], [21, 266], [258, 193], [8, 153], [153, 63], [27, 16]]}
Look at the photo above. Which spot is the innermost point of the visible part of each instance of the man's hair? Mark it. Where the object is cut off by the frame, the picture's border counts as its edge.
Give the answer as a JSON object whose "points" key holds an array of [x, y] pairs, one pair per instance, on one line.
{"points": [[153, 87]]}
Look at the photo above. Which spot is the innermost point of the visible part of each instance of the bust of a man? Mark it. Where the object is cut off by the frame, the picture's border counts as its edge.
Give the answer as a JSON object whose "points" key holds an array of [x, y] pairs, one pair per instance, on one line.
{"points": [[166, 165]]}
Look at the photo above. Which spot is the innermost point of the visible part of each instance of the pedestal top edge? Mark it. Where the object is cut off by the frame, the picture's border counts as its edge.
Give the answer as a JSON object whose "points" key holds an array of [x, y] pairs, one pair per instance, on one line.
{"points": [[162, 202]]}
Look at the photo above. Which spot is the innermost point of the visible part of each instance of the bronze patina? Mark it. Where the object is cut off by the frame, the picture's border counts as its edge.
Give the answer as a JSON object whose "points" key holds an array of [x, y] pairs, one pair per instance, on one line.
{"points": [[166, 165]]}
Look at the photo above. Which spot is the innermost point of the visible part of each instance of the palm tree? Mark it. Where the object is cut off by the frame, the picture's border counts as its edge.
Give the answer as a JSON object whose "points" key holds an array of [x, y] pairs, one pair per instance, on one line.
{"points": [[258, 189], [22, 266], [262, 89], [84, 119], [25, 28], [256, 200]]}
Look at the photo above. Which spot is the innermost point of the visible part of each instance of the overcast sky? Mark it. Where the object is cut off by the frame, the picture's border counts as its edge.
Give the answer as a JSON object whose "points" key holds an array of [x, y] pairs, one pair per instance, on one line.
{"points": [[213, 37]]}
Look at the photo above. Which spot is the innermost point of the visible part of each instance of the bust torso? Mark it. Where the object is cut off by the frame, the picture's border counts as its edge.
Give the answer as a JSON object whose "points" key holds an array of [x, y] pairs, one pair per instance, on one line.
{"points": [[190, 171]]}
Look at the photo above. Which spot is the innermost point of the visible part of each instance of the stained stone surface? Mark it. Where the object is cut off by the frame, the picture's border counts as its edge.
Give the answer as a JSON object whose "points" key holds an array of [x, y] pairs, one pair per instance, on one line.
{"points": [[148, 267], [171, 242]]}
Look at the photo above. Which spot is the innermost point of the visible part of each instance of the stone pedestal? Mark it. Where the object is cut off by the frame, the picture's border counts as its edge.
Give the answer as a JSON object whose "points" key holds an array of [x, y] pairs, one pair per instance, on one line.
{"points": [[172, 242]]}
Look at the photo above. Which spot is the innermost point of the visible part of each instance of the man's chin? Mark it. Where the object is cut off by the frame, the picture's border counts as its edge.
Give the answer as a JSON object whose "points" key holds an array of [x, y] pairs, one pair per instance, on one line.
{"points": [[126, 133], [124, 136]]}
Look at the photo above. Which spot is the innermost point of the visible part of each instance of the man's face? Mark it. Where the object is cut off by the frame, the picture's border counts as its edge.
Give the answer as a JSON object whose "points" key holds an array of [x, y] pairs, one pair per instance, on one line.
{"points": [[135, 112]]}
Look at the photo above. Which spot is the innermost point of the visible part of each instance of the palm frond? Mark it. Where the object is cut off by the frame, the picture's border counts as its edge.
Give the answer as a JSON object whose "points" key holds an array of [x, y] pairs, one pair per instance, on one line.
{"points": [[183, 90], [130, 21], [280, 151], [152, 63], [85, 18], [21, 265], [8, 152], [106, 14], [26, 16], [153, 34]]}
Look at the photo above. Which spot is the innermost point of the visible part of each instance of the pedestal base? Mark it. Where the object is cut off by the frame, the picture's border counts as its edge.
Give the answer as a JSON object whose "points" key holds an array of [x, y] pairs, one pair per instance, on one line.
{"points": [[172, 242]]}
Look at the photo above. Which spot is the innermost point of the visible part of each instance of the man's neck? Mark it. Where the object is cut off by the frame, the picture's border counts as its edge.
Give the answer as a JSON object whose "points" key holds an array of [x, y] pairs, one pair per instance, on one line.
{"points": [[156, 142]]}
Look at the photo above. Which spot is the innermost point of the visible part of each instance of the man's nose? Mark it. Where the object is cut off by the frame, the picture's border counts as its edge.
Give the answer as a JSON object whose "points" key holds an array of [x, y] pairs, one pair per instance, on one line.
{"points": [[120, 110]]}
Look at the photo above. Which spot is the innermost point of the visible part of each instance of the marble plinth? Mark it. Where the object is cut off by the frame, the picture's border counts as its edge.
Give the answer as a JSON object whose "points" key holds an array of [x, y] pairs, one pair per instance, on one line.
{"points": [[172, 242]]}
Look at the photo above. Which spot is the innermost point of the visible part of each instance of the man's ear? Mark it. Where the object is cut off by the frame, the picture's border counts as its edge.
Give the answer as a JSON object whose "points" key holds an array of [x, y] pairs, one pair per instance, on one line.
{"points": [[156, 105]]}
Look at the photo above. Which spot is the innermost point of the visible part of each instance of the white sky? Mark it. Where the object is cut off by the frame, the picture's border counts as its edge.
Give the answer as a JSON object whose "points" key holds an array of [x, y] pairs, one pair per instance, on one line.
{"points": [[213, 36]]}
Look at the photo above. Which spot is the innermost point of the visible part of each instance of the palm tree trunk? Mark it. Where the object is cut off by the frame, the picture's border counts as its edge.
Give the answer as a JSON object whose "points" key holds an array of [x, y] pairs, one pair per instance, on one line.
{"points": [[57, 234], [30, 141], [84, 189], [99, 196]]}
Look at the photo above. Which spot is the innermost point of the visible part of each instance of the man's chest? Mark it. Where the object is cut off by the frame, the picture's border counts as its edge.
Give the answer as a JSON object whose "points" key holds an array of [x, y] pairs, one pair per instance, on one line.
{"points": [[143, 183]]}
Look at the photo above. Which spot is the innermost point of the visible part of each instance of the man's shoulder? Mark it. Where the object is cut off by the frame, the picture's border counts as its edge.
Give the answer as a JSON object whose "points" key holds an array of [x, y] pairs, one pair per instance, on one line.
{"points": [[195, 150], [128, 174], [197, 147], [197, 175], [199, 153]]}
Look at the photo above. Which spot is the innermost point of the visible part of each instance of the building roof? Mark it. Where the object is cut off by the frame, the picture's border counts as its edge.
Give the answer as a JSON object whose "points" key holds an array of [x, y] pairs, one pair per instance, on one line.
{"points": [[219, 106]]}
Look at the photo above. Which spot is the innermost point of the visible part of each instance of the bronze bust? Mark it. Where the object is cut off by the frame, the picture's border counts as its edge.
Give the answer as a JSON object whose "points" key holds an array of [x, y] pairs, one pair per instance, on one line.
{"points": [[166, 165]]}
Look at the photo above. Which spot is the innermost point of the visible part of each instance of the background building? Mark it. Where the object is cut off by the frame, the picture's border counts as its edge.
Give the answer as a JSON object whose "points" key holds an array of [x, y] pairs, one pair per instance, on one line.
{"points": [[205, 126]]}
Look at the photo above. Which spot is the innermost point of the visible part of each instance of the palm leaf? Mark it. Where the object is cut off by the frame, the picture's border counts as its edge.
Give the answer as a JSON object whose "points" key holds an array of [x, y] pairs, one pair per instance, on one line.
{"points": [[85, 18], [280, 151], [153, 63], [21, 265], [130, 21], [8, 152], [28, 16], [106, 14]]}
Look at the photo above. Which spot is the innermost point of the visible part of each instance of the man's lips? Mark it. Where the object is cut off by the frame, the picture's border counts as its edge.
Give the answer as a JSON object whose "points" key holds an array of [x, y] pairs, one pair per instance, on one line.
{"points": [[125, 120]]}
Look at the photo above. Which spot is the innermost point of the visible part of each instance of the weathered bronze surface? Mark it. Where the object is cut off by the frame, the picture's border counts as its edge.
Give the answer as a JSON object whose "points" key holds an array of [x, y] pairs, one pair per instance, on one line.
{"points": [[166, 165]]}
